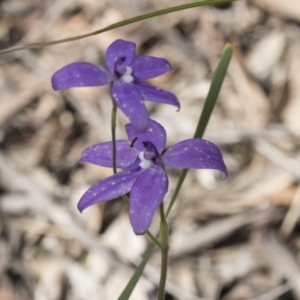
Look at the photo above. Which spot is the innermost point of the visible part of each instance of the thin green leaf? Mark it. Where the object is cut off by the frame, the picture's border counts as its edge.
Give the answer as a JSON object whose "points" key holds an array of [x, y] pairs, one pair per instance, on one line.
{"points": [[208, 107], [207, 110], [137, 274], [216, 83], [117, 25]]}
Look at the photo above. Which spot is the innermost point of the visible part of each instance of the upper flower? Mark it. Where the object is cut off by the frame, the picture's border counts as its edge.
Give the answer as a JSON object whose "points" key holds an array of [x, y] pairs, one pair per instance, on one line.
{"points": [[127, 72], [143, 174]]}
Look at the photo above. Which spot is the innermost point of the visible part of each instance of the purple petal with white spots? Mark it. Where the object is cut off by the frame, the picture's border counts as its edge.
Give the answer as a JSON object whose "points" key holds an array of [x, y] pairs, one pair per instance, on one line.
{"points": [[102, 154], [154, 133], [130, 102], [119, 49], [195, 154], [110, 188], [147, 193], [79, 74], [155, 94], [146, 67]]}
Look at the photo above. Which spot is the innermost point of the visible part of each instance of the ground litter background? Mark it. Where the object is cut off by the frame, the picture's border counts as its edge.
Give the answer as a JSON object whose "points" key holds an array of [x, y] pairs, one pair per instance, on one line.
{"points": [[231, 240]]}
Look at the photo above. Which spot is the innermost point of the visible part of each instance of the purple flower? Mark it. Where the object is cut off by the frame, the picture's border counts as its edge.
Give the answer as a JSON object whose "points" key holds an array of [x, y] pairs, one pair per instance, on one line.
{"points": [[127, 72], [143, 174]]}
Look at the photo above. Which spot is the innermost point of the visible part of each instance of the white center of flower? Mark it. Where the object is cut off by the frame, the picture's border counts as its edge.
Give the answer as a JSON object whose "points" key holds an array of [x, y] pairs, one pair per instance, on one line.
{"points": [[145, 163], [127, 77]]}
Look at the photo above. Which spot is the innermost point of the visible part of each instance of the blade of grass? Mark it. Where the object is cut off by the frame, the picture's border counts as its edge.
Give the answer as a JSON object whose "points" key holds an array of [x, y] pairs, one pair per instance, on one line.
{"points": [[214, 90], [207, 110], [137, 274], [117, 25]]}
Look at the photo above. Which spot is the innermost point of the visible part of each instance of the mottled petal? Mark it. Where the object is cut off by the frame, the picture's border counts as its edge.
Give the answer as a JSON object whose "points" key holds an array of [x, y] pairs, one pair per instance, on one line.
{"points": [[119, 49], [155, 94], [110, 188], [195, 154], [130, 102], [147, 193], [102, 154], [79, 74], [154, 133], [146, 67]]}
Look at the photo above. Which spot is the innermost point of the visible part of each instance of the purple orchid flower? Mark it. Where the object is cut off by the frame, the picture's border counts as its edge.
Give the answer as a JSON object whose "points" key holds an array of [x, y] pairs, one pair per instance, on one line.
{"points": [[143, 174], [127, 72]]}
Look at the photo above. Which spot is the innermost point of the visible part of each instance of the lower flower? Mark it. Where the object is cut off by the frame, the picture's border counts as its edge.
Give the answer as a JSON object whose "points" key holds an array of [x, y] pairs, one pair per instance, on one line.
{"points": [[142, 172]]}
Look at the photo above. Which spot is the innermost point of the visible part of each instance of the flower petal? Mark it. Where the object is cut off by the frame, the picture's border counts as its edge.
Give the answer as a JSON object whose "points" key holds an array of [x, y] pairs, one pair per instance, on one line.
{"points": [[154, 133], [102, 154], [110, 188], [155, 94], [129, 100], [119, 49], [79, 74], [147, 193], [146, 67], [195, 154]]}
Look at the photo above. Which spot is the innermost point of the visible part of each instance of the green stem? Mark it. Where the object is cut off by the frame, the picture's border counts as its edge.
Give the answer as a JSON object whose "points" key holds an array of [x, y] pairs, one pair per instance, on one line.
{"points": [[154, 239], [113, 134], [164, 233]]}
